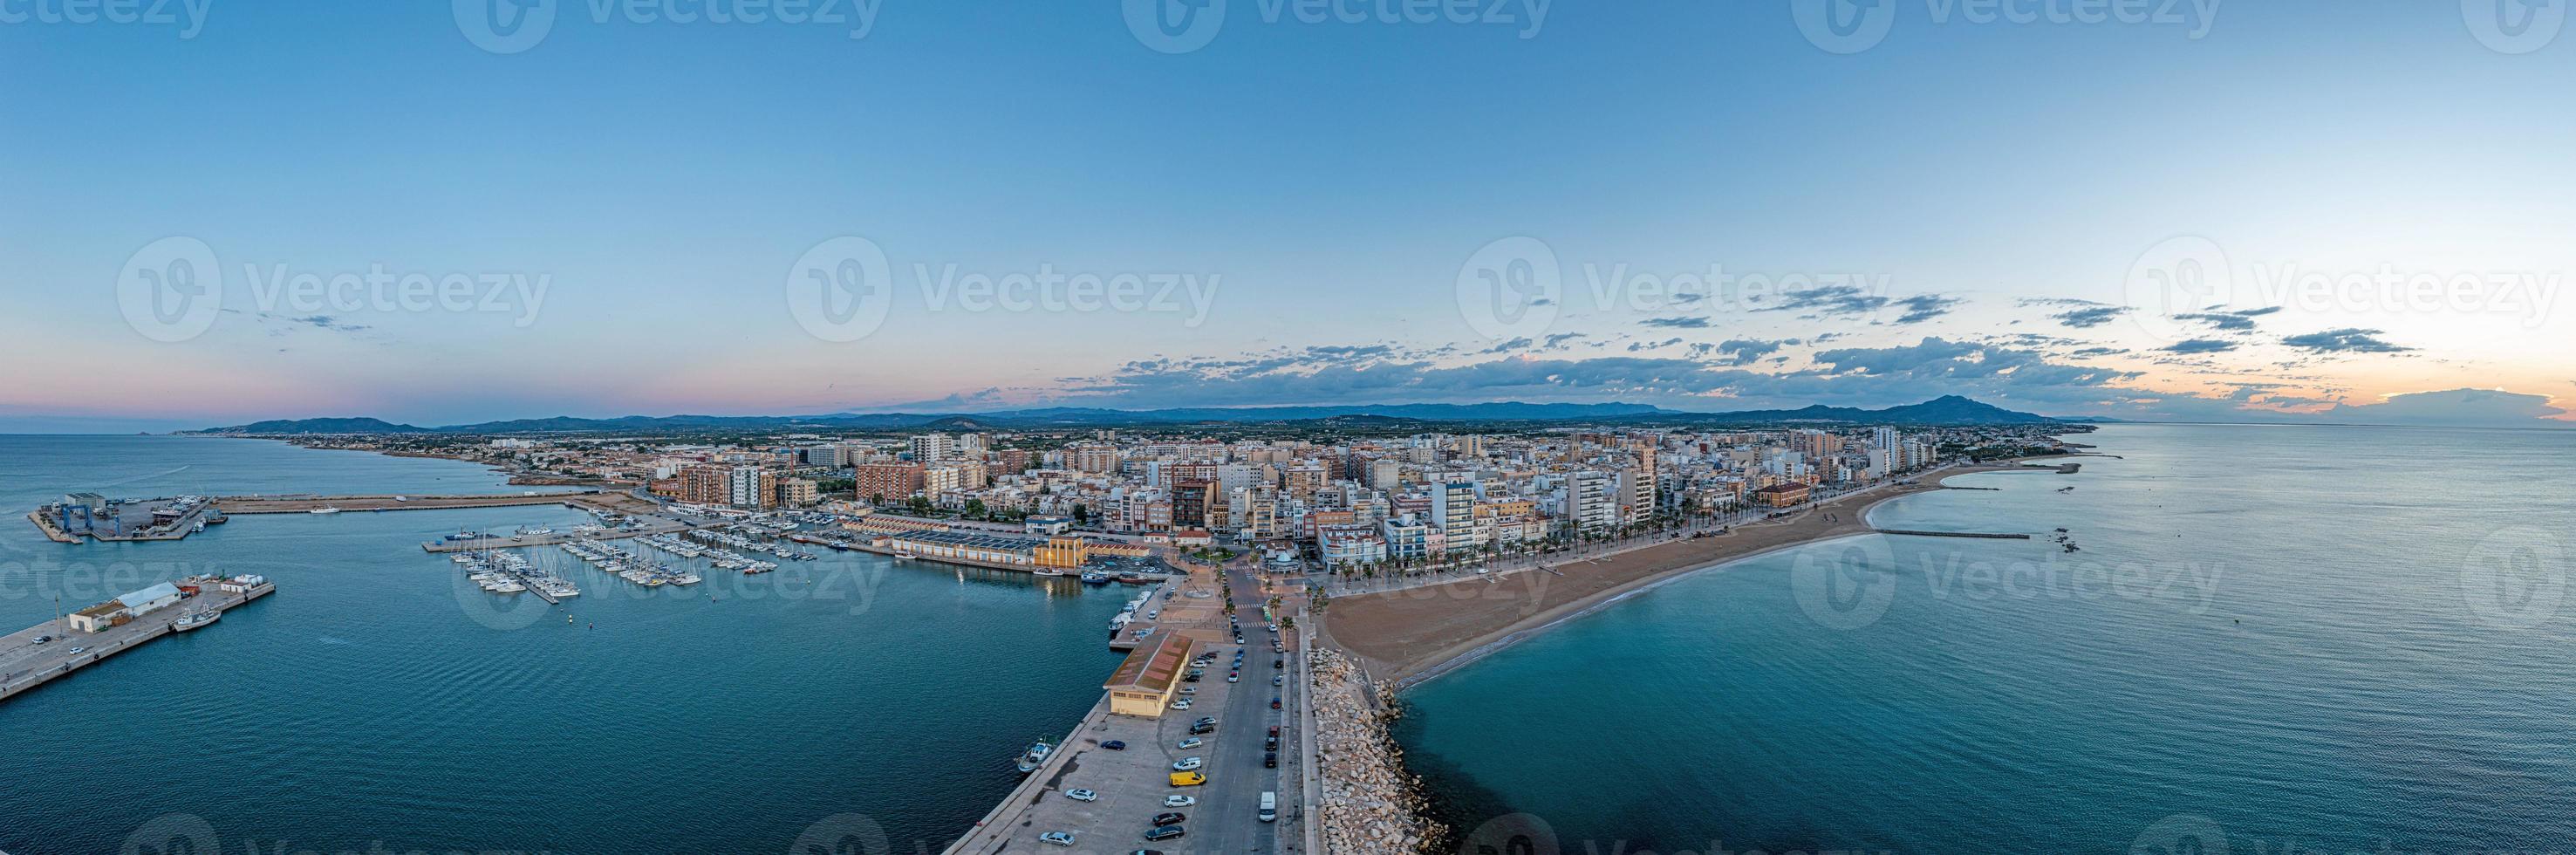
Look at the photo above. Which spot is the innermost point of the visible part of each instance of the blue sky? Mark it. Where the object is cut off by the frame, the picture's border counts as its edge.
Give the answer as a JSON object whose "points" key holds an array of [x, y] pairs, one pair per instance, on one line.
{"points": [[1926, 214]]}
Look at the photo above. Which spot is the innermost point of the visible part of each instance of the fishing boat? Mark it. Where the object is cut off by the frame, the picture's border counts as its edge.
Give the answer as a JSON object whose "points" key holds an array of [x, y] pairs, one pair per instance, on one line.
{"points": [[1095, 577], [323, 511], [195, 619], [1035, 757]]}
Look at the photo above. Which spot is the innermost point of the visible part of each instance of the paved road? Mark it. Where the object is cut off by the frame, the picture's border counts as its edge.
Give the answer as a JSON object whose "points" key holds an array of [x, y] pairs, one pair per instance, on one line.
{"points": [[1227, 817]]}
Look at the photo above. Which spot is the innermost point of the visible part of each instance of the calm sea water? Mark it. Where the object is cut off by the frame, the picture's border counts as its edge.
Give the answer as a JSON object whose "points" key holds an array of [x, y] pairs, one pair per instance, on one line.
{"points": [[2273, 639], [375, 700]]}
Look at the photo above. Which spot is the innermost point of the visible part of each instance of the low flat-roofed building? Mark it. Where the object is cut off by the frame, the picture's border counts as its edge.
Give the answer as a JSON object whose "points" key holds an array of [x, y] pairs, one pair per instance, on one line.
{"points": [[1143, 685], [99, 617]]}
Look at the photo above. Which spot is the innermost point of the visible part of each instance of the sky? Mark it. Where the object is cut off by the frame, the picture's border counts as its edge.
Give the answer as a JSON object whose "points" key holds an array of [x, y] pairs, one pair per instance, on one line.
{"points": [[437, 213]]}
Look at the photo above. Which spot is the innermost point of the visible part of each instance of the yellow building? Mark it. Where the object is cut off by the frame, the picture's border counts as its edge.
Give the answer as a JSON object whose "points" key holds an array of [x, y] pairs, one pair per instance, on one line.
{"points": [[1143, 685], [1062, 553]]}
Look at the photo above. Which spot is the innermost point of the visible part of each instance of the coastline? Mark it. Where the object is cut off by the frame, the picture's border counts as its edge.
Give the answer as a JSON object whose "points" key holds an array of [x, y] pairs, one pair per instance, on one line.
{"points": [[1407, 637]]}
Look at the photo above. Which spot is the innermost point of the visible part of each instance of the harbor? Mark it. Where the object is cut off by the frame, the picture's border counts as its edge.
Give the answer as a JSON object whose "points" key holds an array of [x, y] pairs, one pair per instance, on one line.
{"points": [[82, 517], [39, 654]]}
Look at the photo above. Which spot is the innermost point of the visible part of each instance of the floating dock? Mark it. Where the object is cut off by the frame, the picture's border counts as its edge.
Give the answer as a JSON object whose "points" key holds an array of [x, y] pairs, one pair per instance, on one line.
{"points": [[24, 664]]}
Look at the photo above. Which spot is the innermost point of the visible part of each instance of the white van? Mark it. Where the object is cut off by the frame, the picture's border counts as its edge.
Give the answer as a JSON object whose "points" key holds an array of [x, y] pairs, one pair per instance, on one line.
{"points": [[1269, 807]]}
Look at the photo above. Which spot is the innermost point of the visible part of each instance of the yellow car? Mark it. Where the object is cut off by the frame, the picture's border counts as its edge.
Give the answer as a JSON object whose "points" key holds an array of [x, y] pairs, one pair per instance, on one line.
{"points": [[1188, 779]]}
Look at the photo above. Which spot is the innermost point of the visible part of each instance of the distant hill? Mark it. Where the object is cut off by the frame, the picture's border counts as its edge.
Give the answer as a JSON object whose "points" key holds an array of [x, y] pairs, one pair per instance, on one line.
{"points": [[292, 426], [1945, 410]]}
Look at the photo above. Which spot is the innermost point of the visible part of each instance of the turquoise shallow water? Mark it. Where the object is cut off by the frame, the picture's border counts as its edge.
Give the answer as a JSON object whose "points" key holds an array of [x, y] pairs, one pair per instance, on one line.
{"points": [[2274, 638], [371, 702]]}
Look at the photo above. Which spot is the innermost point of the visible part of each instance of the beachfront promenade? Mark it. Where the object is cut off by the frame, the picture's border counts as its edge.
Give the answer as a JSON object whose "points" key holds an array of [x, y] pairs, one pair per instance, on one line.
{"points": [[1418, 628], [1594, 551]]}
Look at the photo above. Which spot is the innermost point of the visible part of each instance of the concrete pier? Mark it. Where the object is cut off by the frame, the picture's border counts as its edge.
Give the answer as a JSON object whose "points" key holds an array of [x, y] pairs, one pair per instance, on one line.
{"points": [[24, 664]]}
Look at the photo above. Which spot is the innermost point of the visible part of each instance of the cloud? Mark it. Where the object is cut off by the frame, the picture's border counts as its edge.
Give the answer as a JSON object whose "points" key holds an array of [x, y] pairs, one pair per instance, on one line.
{"points": [[2089, 316], [2238, 321], [2200, 345], [1683, 322], [1745, 351], [2456, 408], [1563, 337], [2344, 341], [1830, 301], [1924, 307]]}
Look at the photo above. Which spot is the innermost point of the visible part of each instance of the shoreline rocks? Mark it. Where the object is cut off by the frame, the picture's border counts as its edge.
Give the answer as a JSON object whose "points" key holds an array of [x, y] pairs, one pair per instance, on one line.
{"points": [[1369, 804]]}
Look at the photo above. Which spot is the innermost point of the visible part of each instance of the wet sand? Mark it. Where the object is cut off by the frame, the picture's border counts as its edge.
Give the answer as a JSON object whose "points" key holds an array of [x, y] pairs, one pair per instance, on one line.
{"points": [[1403, 637]]}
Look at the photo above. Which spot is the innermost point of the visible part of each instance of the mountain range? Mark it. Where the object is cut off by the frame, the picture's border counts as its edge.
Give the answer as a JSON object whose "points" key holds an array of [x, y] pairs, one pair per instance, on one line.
{"points": [[1945, 410]]}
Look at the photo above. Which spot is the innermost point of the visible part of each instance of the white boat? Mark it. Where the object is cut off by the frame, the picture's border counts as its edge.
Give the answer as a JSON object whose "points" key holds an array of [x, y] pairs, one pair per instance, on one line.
{"points": [[195, 619], [323, 511]]}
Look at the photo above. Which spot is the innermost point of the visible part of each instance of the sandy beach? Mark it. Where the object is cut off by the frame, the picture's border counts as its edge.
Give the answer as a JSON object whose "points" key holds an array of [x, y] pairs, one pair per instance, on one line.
{"points": [[1402, 637]]}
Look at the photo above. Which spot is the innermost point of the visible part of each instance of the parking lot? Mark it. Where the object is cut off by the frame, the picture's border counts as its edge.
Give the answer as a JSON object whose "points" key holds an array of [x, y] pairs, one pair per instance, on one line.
{"points": [[1129, 786]]}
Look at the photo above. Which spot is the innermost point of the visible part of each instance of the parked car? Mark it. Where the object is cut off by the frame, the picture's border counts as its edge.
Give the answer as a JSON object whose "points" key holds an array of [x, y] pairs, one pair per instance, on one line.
{"points": [[1164, 833], [1230, 678], [1059, 838], [1082, 795], [1179, 801], [1188, 763], [1271, 744], [1276, 680], [79, 650], [1274, 703], [1115, 745], [1270, 760], [1170, 818], [1181, 704], [1192, 742]]}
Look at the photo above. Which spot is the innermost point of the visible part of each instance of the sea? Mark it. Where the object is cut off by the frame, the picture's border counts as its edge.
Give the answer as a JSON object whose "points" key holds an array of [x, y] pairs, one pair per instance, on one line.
{"points": [[379, 703], [2268, 639]]}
